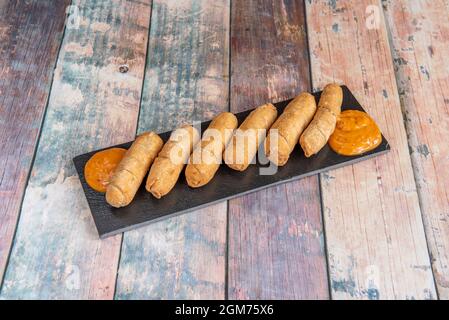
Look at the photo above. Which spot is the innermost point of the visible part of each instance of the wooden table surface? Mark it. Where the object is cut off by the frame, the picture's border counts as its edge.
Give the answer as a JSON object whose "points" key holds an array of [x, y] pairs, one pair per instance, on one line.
{"points": [[374, 230]]}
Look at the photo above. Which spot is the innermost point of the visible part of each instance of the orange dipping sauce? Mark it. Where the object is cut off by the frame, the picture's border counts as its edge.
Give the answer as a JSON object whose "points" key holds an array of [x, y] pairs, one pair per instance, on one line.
{"points": [[355, 133], [99, 169]]}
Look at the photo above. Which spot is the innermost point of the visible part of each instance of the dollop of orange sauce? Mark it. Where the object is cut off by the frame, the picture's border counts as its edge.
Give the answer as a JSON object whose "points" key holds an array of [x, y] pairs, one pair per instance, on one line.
{"points": [[355, 134], [99, 169]]}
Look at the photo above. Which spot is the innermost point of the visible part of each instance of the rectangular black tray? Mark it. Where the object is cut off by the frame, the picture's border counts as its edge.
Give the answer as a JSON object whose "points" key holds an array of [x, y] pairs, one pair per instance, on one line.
{"points": [[227, 183]]}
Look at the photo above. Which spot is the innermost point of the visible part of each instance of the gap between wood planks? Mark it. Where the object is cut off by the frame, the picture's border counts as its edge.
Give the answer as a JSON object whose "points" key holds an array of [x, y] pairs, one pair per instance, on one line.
{"points": [[396, 244], [228, 209], [422, 75], [326, 254], [93, 260], [54, 32], [173, 260], [269, 245], [138, 116]]}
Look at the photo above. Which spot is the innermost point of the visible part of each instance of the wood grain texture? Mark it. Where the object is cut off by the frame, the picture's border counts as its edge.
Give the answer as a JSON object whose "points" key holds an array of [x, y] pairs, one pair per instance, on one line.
{"points": [[374, 232], [275, 235], [186, 80], [419, 33], [30, 35], [57, 253]]}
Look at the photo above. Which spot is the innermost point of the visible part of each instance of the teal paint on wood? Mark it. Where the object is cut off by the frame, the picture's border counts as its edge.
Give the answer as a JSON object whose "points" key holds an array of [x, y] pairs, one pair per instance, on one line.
{"points": [[186, 80], [375, 237], [422, 74], [276, 248], [29, 40], [57, 252]]}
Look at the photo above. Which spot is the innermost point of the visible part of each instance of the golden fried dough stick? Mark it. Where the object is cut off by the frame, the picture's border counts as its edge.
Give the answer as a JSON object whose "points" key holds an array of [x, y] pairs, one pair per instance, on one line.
{"points": [[206, 157], [247, 138], [323, 124], [132, 169], [167, 167], [288, 127]]}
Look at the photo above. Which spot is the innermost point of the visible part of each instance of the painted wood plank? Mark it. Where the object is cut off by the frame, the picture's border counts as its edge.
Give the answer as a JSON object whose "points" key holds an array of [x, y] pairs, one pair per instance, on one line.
{"points": [[30, 35], [57, 252], [275, 235], [374, 232], [186, 80], [420, 44]]}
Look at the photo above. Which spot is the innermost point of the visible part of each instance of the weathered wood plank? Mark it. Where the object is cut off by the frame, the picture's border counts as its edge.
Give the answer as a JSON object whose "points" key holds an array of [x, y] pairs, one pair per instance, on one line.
{"points": [[275, 236], [30, 35], [374, 232], [186, 80], [419, 37], [57, 253]]}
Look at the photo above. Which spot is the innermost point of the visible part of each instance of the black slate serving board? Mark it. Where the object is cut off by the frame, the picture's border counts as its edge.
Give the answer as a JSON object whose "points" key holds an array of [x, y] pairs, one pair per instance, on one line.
{"points": [[227, 183]]}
